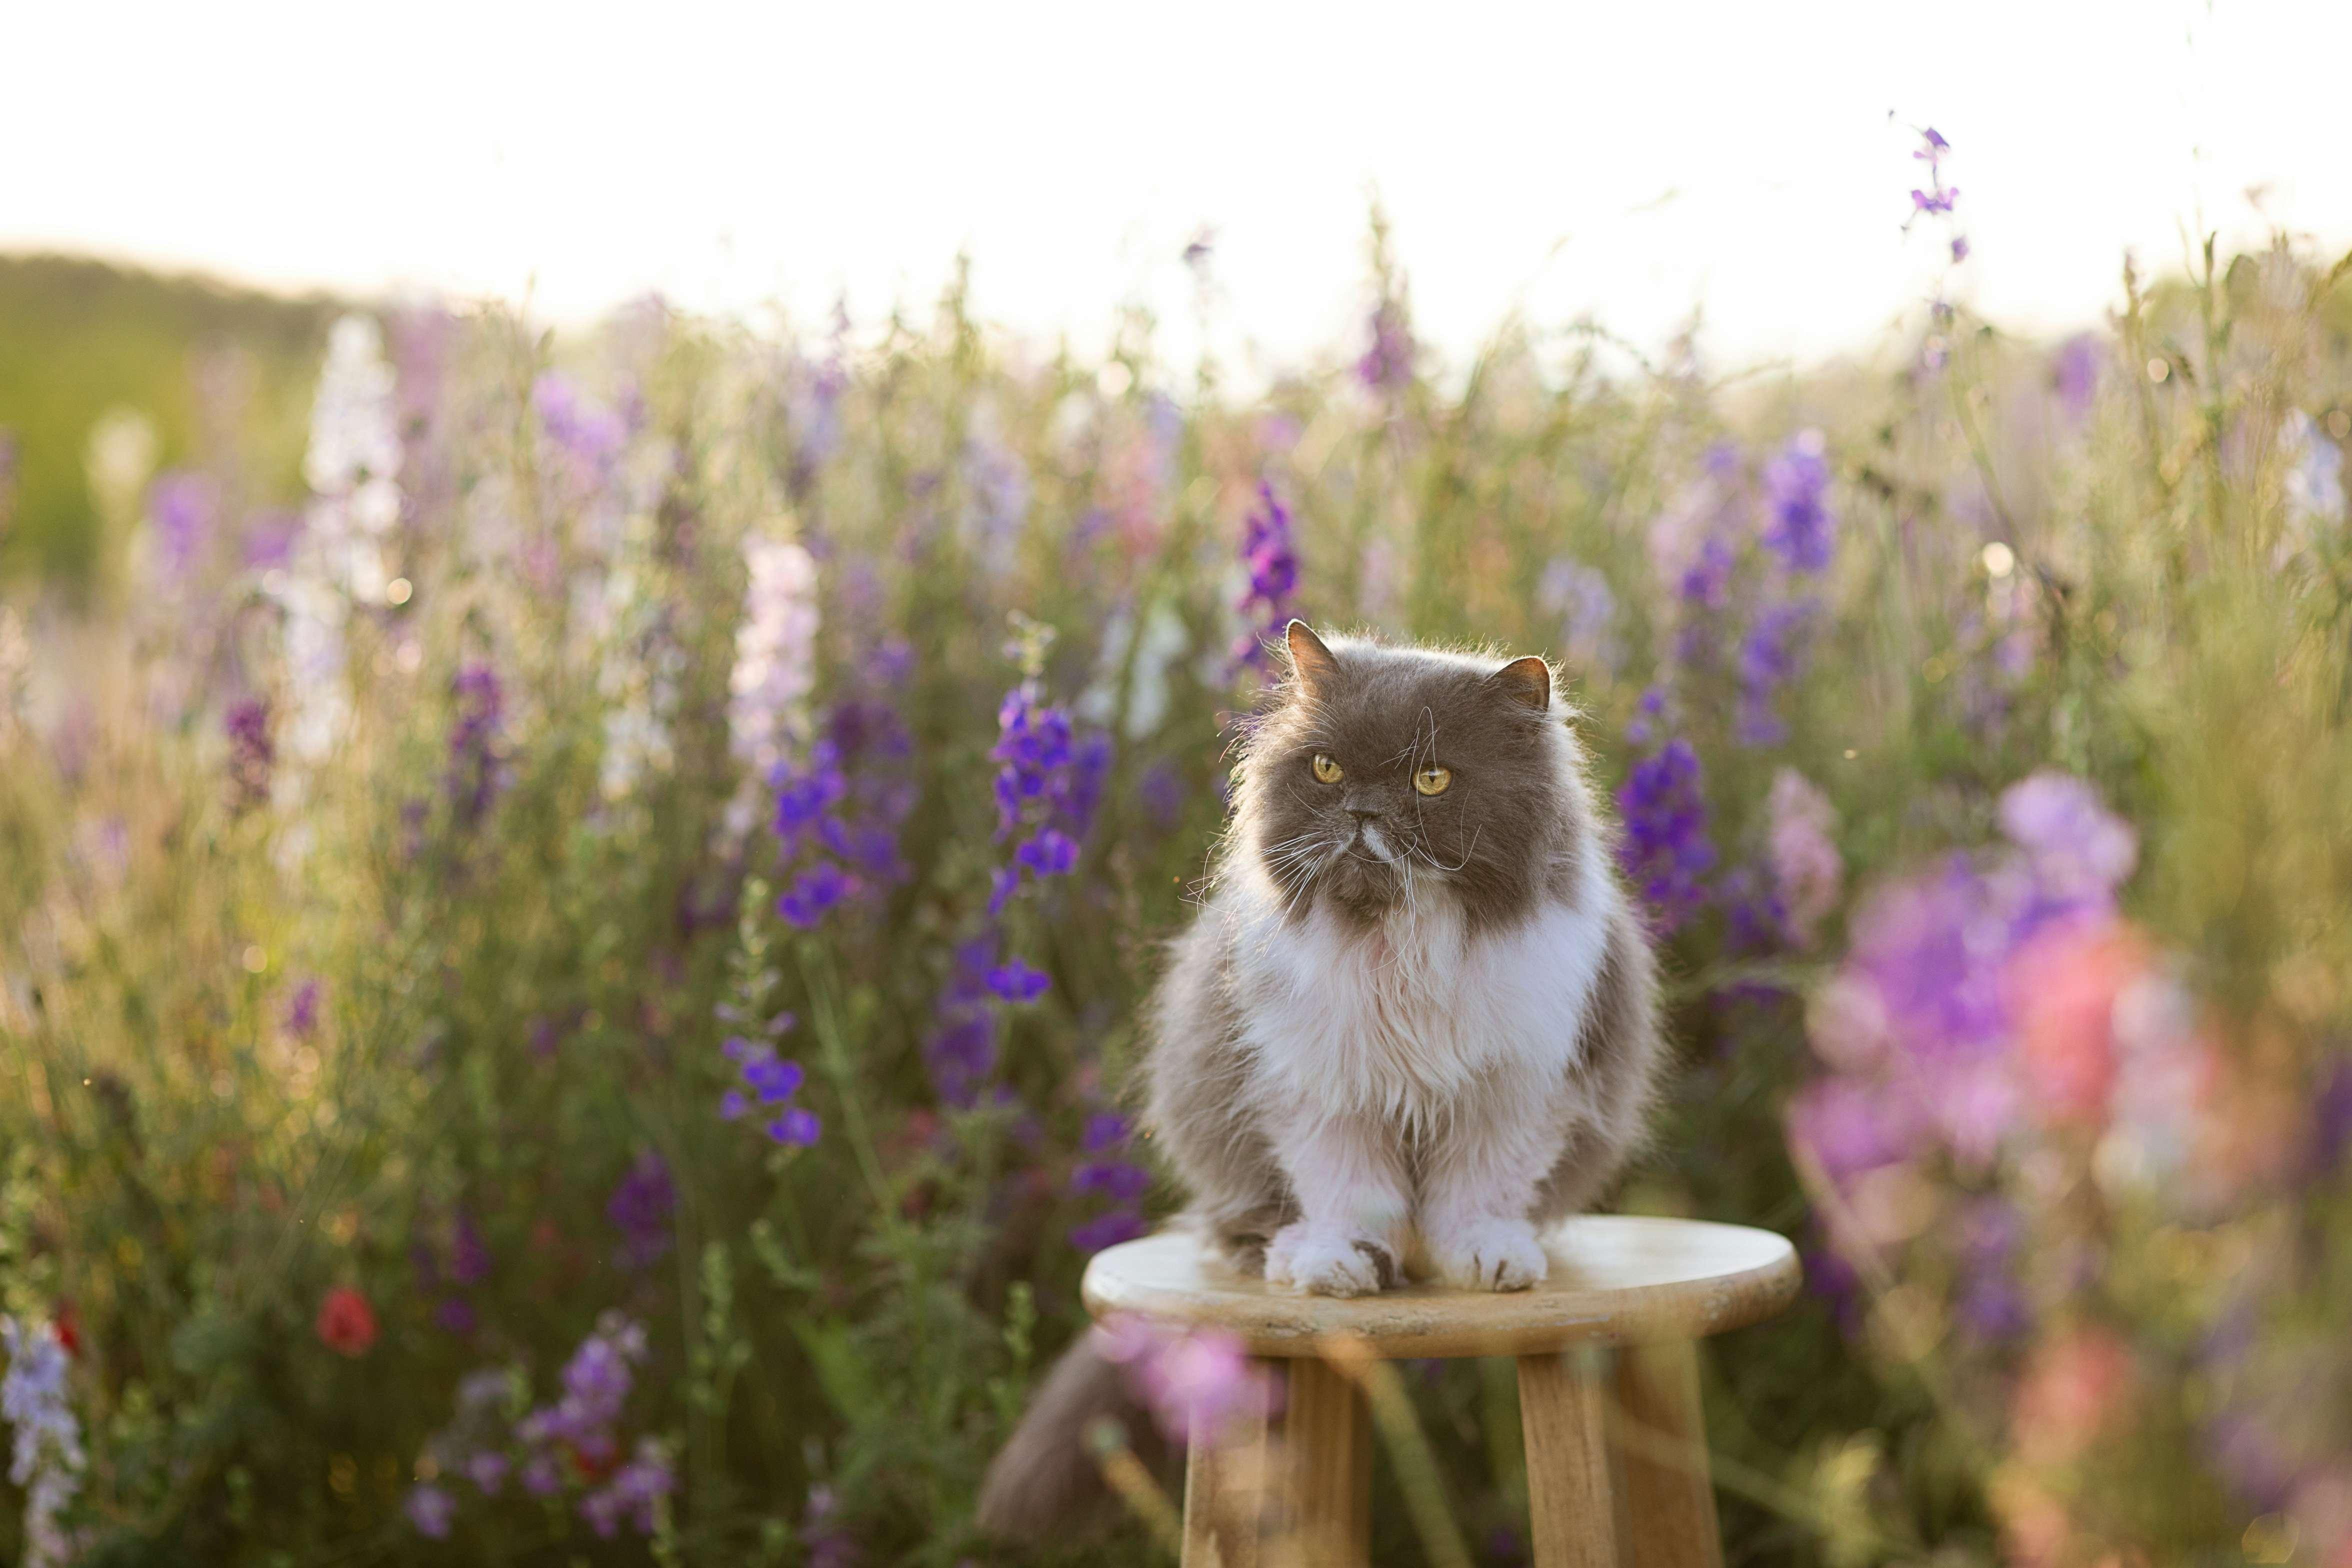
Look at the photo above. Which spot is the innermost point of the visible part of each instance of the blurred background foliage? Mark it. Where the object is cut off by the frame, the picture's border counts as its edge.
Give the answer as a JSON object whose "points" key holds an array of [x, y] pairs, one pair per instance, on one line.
{"points": [[521, 854]]}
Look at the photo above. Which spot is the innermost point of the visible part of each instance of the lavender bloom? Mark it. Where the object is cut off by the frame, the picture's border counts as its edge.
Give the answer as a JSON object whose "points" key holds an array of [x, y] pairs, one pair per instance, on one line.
{"points": [[822, 1532], [2075, 371], [46, 1457], [1800, 530], [772, 1080], [1016, 982], [487, 1471], [302, 1010], [2081, 853], [1769, 657], [1920, 1020], [1387, 363], [432, 1510], [640, 1208], [590, 435], [635, 1493], [962, 1051], [1666, 851], [596, 1383], [1270, 560], [469, 1255], [250, 754], [183, 509], [1806, 866], [1580, 596], [476, 774], [1108, 1230]]}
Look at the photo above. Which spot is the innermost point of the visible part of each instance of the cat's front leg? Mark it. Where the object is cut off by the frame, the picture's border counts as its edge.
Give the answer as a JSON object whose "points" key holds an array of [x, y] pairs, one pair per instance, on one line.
{"points": [[1353, 1205], [1479, 1188]]}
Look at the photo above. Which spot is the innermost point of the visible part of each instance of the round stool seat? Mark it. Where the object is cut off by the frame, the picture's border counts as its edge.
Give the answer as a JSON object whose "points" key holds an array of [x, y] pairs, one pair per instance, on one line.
{"points": [[1616, 1279]]}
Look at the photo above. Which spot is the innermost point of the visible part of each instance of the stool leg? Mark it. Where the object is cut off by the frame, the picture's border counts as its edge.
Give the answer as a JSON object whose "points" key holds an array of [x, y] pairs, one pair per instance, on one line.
{"points": [[1225, 1493], [1663, 1448], [1326, 1442], [1571, 1506]]}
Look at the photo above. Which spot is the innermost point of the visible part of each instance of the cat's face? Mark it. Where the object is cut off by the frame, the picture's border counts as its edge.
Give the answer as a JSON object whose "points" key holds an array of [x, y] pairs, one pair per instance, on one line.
{"points": [[1389, 774]]}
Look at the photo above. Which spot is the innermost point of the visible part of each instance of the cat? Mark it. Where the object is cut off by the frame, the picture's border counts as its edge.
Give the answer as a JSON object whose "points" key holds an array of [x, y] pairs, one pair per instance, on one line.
{"points": [[1414, 1023]]}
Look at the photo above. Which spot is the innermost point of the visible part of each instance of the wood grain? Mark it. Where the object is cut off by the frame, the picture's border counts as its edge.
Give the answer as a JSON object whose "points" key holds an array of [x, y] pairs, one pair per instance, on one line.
{"points": [[1225, 1479], [1662, 1455], [1571, 1506], [1616, 1279], [1327, 1440]]}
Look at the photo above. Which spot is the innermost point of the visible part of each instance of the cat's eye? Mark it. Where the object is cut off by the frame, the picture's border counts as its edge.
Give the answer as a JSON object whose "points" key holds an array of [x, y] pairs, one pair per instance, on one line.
{"points": [[1326, 769], [1432, 779]]}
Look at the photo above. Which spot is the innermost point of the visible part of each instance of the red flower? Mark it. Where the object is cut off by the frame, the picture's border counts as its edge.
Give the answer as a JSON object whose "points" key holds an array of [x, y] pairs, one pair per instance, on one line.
{"points": [[346, 1322], [68, 1328]]}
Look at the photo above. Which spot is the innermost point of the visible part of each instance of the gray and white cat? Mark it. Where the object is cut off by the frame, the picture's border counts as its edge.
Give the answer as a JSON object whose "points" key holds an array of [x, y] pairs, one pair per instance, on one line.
{"points": [[1414, 1022]]}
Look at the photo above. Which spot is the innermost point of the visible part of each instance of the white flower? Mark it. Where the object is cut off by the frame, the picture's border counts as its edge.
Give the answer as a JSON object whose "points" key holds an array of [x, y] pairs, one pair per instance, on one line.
{"points": [[775, 652], [46, 1457]]}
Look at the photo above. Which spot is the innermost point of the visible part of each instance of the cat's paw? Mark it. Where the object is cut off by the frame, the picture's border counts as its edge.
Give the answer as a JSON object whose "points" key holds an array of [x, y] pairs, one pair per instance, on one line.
{"points": [[1329, 1260], [1490, 1255]]}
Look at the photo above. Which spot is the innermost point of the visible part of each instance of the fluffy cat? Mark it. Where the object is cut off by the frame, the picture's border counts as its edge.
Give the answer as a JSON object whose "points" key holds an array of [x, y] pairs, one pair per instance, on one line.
{"points": [[1414, 1022]]}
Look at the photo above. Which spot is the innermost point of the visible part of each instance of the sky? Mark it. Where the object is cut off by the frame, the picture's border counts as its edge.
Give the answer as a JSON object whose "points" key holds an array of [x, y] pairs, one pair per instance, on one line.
{"points": [[1633, 164]]}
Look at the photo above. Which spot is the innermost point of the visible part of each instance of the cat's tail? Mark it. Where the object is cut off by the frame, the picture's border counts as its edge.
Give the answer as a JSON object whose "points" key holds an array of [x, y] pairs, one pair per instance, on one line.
{"points": [[1046, 1485]]}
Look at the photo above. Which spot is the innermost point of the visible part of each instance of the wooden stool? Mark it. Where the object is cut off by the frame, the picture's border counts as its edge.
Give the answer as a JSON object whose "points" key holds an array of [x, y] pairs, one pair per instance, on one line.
{"points": [[1650, 1287]]}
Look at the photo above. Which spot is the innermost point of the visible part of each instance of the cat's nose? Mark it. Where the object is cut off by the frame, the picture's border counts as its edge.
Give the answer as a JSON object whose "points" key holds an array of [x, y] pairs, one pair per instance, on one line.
{"points": [[1364, 813]]}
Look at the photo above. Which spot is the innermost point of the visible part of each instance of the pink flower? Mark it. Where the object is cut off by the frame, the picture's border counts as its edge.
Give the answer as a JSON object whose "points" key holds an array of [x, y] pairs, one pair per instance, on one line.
{"points": [[1189, 1378], [2064, 986], [2074, 1387], [1806, 865]]}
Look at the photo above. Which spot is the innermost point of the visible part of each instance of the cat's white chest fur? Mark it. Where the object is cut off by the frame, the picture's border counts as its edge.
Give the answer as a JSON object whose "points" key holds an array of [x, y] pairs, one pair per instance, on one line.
{"points": [[1403, 1021]]}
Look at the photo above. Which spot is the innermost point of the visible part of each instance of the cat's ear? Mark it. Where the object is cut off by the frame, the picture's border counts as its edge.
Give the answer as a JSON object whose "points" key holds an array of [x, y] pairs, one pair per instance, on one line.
{"points": [[1526, 682], [1311, 664]]}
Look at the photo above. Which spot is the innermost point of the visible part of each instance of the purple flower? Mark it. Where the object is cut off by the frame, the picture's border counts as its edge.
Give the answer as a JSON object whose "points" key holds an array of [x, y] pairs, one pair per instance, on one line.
{"points": [[488, 1470], [640, 1208], [1800, 530], [2075, 370], [804, 796], [1117, 1180], [1104, 1129], [1769, 657], [1107, 1229], [2079, 849], [455, 1316], [1052, 852], [476, 773], [1387, 364], [250, 754], [542, 1477], [1016, 982], [797, 1127], [596, 1383], [589, 434], [183, 509], [1270, 561], [302, 1010], [633, 1493], [822, 1532], [776, 1079], [1665, 850], [469, 1256], [732, 1105], [432, 1510], [816, 889]]}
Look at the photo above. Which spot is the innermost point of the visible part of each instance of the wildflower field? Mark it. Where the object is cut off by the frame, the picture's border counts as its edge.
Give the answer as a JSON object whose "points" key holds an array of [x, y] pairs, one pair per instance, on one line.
{"points": [[575, 905]]}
